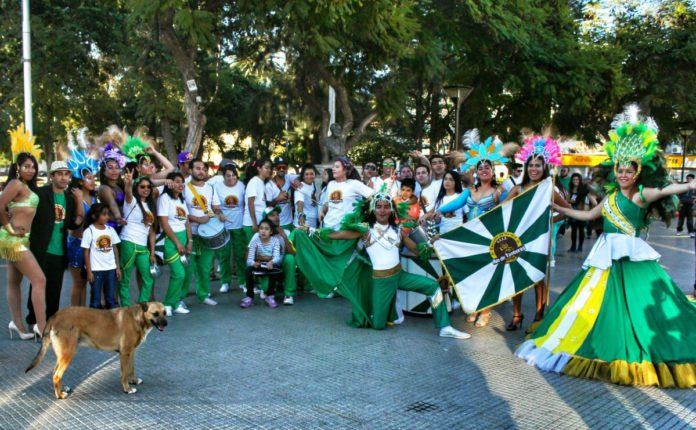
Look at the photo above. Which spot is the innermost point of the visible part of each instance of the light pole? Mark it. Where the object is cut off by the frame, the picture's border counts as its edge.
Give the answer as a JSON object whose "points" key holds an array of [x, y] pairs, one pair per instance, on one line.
{"points": [[286, 126], [685, 134], [26, 59], [458, 93]]}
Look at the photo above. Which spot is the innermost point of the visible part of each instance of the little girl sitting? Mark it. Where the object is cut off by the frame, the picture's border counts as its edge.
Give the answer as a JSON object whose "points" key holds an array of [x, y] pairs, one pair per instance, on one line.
{"points": [[263, 255]]}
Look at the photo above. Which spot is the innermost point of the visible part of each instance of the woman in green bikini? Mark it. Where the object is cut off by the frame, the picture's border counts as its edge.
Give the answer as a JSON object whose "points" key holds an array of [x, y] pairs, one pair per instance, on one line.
{"points": [[19, 201], [622, 319]]}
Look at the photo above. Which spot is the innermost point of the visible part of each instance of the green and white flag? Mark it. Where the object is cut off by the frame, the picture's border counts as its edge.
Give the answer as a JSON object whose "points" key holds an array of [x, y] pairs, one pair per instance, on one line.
{"points": [[501, 253]]}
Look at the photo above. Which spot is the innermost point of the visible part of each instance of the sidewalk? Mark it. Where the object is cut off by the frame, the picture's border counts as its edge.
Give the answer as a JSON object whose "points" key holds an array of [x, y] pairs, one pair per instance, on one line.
{"points": [[303, 367]]}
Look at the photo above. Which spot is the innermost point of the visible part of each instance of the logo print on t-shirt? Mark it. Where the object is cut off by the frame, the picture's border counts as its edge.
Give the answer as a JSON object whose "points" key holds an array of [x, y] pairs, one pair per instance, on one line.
{"points": [[148, 218], [60, 213], [336, 197], [180, 213], [231, 201], [197, 206], [104, 243]]}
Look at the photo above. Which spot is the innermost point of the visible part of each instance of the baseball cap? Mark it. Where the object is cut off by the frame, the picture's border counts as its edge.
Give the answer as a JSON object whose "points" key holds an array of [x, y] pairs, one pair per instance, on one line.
{"points": [[57, 166], [270, 209], [280, 160], [225, 162], [184, 157]]}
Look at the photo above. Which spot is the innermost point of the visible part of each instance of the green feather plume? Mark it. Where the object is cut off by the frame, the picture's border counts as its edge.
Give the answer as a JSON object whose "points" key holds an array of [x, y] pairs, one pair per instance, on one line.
{"points": [[134, 147]]}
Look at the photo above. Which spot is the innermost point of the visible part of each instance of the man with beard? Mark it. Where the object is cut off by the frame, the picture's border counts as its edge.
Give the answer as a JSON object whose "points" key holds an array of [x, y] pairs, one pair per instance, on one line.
{"points": [[56, 214], [203, 203]]}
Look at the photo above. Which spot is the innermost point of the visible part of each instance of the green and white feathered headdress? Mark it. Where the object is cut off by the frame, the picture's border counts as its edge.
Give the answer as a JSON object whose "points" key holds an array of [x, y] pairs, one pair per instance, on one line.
{"points": [[134, 147], [632, 139]]}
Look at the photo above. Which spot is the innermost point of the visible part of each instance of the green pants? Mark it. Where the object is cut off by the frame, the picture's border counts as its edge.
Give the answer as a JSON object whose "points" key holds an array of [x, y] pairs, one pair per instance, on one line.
{"points": [[179, 275], [138, 255], [201, 260], [238, 245], [384, 292], [248, 234]]}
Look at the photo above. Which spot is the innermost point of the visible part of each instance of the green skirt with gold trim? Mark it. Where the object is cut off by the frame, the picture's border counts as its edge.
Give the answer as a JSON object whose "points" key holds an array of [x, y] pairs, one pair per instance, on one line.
{"points": [[629, 324]]}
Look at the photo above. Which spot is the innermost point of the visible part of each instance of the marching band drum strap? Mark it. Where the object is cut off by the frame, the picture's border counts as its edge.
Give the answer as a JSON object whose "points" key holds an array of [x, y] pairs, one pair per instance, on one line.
{"points": [[198, 198]]}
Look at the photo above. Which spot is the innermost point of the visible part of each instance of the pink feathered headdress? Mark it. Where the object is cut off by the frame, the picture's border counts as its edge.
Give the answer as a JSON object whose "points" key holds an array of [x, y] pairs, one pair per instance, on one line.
{"points": [[540, 146]]}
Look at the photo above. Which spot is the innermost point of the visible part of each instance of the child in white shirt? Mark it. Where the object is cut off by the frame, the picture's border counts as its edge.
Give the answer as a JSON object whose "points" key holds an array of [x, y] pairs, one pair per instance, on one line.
{"points": [[101, 256]]}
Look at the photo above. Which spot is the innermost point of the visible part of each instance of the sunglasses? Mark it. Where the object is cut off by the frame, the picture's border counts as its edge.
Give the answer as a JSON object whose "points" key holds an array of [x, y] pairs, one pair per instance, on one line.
{"points": [[388, 164], [370, 167], [144, 187]]}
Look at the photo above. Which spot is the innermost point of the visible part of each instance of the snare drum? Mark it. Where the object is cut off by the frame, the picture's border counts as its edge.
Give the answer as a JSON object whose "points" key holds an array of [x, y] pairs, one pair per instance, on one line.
{"points": [[266, 272], [214, 234], [415, 303]]}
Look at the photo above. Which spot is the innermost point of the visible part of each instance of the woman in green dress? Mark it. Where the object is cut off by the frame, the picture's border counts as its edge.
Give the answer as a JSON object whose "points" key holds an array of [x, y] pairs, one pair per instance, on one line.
{"points": [[622, 319]]}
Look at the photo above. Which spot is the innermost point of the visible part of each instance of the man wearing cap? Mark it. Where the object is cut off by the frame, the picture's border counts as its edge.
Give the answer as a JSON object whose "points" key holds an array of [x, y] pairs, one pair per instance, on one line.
{"points": [[278, 192], [183, 162], [56, 214]]}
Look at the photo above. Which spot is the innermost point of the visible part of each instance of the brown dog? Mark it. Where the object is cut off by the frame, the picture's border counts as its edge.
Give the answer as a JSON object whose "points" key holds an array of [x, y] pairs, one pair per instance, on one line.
{"points": [[119, 330]]}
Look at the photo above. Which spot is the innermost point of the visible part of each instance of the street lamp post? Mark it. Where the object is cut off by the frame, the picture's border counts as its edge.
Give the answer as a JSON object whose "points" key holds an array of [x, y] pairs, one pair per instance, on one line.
{"points": [[458, 93], [685, 133]]}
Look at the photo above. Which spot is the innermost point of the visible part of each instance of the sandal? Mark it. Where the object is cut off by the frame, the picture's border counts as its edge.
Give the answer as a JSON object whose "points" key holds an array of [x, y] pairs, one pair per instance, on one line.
{"points": [[483, 320], [472, 317]]}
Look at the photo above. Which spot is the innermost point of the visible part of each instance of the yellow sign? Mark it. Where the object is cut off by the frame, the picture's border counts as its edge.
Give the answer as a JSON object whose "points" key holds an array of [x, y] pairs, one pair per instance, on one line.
{"points": [[590, 160]]}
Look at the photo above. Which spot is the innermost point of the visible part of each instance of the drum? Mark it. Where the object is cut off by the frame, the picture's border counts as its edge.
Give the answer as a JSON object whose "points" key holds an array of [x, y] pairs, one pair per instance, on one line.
{"points": [[273, 271], [214, 234], [416, 303]]}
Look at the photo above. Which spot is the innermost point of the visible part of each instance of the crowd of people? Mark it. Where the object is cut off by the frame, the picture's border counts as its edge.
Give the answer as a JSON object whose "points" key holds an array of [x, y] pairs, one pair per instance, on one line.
{"points": [[117, 204]]}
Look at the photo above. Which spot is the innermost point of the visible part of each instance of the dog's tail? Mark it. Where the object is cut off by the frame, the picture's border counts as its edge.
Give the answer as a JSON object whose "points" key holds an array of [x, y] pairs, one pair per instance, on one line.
{"points": [[45, 341]]}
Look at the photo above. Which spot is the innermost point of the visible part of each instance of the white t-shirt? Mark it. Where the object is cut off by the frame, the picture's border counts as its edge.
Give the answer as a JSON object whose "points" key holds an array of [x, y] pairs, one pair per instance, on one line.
{"points": [[137, 229], [429, 195], [257, 189], [377, 182], [510, 182], [384, 242], [101, 247], [175, 210], [305, 194], [209, 197], [341, 196], [215, 180], [231, 203], [450, 220], [273, 191]]}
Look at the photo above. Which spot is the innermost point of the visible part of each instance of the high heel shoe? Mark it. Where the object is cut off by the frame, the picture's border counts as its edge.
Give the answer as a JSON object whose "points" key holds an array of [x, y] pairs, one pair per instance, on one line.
{"points": [[37, 333], [13, 328], [516, 323]]}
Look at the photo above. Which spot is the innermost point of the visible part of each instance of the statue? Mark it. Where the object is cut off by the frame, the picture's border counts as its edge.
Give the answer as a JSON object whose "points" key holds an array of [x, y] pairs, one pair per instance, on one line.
{"points": [[334, 145]]}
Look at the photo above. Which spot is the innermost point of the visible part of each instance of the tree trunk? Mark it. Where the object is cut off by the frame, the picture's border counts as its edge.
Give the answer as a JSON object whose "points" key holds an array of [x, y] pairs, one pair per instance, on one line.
{"points": [[168, 140], [184, 58]]}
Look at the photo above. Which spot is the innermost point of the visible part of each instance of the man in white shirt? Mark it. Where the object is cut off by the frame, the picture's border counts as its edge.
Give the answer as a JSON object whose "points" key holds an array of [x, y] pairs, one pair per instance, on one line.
{"points": [[203, 203], [278, 192]]}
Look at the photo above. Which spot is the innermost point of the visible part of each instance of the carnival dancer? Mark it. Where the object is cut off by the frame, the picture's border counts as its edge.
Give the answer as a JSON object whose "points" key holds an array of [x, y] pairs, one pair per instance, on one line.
{"points": [[231, 194], [537, 154], [278, 192], [484, 195], [18, 203], [84, 168], [622, 319], [257, 173], [99, 242], [178, 245], [137, 247], [382, 241], [305, 198], [203, 203], [112, 163]]}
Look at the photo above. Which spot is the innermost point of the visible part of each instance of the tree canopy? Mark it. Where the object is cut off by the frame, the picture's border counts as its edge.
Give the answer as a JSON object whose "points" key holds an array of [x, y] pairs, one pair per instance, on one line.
{"points": [[262, 70]]}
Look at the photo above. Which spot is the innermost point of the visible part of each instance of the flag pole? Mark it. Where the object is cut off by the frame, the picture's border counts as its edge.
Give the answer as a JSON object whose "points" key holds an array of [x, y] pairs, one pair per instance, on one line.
{"points": [[547, 279], [26, 59]]}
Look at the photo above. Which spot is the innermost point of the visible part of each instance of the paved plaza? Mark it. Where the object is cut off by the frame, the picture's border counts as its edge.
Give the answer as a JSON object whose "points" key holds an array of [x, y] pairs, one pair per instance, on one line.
{"points": [[303, 367]]}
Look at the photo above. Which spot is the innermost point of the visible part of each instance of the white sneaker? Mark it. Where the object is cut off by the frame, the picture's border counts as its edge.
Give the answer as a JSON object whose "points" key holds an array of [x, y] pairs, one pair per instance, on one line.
{"points": [[331, 295], [224, 288], [450, 331], [400, 320], [242, 287], [181, 304], [692, 235], [181, 310], [288, 301], [553, 263], [210, 302], [168, 310], [262, 295]]}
